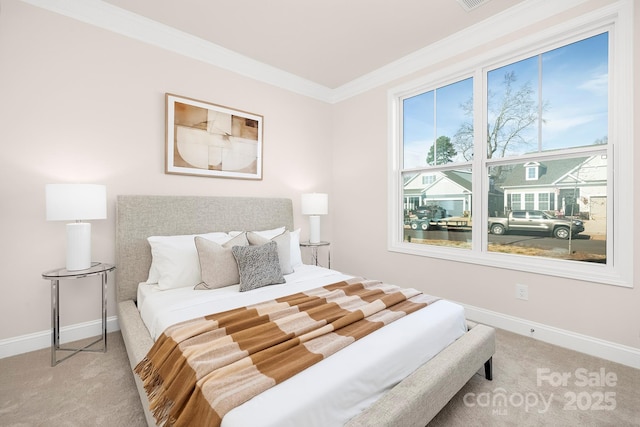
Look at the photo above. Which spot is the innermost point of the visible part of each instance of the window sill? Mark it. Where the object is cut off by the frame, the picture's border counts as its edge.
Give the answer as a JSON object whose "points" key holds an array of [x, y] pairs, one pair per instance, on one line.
{"points": [[585, 271]]}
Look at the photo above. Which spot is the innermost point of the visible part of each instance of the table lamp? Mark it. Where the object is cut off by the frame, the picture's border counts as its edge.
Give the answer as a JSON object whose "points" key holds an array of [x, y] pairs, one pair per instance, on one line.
{"points": [[77, 202], [315, 204]]}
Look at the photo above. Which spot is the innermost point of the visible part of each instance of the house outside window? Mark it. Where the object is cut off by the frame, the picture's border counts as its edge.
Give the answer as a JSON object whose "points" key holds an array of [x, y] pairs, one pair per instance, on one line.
{"points": [[528, 154]]}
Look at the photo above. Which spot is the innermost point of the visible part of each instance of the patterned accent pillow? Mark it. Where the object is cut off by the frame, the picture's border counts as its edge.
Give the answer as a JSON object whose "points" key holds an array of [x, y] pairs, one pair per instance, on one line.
{"points": [[258, 265], [283, 241], [217, 264]]}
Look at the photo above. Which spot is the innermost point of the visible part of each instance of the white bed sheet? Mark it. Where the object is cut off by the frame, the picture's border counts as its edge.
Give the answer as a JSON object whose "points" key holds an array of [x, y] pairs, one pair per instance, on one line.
{"points": [[337, 388]]}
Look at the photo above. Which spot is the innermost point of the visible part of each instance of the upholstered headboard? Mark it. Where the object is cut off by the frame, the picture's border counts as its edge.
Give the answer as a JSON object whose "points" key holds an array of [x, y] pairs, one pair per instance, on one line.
{"points": [[138, 217]]}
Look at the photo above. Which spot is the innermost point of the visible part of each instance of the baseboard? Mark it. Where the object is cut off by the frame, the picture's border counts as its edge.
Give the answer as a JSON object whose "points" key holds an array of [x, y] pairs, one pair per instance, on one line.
{"points": [[618, 353], [36, 341]]}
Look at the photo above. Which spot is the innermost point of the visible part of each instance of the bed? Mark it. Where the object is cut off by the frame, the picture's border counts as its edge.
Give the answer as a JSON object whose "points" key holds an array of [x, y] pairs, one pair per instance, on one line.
{"points": [[407, 396]]}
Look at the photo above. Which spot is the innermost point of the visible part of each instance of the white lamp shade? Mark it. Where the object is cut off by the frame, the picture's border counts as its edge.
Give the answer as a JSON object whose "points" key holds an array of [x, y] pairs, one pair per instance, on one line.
{"points": [[315, 204], [75, 202]]}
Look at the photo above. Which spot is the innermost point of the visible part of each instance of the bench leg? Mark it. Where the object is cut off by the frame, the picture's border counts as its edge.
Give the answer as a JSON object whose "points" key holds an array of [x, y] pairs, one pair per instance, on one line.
{"points": [[488, 369]]}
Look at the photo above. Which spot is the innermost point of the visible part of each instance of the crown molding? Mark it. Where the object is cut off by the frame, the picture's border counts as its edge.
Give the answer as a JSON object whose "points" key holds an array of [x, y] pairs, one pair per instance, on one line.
{"points": [[120, 21], [523, 14], [108, 17]]}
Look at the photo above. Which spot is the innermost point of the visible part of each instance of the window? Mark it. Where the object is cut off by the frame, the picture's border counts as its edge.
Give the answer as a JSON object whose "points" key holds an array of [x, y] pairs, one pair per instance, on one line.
{"points": [[435, 172], [528, 201], [515, 202], [543, 202], [532, 172], [525, 133], [428, 179]]}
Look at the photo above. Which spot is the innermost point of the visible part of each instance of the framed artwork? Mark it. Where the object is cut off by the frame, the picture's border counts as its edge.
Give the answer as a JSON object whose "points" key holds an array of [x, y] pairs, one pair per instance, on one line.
{"points": [[206, 139]]}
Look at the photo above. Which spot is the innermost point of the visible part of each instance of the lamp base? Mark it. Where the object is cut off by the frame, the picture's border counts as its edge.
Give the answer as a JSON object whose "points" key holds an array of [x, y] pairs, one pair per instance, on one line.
{"points": [[78, 246], [314, 229]]}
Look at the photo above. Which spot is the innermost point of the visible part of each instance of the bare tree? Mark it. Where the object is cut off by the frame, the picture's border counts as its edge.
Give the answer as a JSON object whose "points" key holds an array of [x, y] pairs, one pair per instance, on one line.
{"points": [[463, 139], [514, 112]]}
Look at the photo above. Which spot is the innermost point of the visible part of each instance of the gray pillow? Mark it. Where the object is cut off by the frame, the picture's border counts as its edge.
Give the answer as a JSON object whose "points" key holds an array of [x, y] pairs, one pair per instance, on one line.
{"points": [[258, 265], [218, 266], [284, 248]]}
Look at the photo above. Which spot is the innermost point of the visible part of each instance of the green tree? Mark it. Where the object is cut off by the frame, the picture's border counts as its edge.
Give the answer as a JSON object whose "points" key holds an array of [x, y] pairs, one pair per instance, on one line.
{"points": [[509, 117], [444, 151]]}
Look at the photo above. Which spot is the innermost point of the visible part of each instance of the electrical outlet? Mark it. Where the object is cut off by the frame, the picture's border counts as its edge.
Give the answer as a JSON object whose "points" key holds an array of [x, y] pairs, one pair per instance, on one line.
{"points": [[522, 292]]}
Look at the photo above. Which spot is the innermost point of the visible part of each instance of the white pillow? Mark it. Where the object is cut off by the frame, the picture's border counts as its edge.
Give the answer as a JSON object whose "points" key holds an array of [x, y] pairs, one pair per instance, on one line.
{"points": [[267, 234], [295, 254], [174, 261]]}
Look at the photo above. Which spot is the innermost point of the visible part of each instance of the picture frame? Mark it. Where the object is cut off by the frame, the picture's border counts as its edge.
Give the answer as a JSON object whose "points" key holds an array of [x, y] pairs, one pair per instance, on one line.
{"points": [[206, 139]]}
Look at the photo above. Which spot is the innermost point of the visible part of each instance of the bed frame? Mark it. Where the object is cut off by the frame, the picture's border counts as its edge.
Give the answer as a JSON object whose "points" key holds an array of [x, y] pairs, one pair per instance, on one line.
{"points": [[413, 402]]}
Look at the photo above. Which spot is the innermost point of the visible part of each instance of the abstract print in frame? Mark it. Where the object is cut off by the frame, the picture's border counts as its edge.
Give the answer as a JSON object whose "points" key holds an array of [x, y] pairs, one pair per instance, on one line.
{"points": [[206, 139]]}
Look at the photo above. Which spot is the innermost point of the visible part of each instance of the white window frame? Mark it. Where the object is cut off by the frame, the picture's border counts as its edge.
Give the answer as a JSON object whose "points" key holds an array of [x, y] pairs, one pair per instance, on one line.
{"points": [[618, 19]]}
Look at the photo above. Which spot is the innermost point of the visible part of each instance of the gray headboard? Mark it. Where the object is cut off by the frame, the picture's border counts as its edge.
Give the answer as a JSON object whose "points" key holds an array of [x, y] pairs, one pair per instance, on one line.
{"points": [[138, 217]]}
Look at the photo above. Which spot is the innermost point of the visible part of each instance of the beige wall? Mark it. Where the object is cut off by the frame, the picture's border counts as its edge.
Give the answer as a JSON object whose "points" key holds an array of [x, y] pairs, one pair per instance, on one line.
{"points": [[83, 104], [80, 104]]}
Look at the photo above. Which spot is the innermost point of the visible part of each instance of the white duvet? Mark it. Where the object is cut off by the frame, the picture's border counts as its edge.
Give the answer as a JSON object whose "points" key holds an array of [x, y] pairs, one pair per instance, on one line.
{"points": [[337, 388]]}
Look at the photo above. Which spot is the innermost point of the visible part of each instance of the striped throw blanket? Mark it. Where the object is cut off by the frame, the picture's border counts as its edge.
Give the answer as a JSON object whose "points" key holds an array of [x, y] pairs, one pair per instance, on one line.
{"points": [[198, 370]]}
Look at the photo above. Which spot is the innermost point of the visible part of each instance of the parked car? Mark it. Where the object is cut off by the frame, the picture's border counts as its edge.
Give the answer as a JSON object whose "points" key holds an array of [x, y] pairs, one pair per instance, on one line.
{"points": [[535, 221]]}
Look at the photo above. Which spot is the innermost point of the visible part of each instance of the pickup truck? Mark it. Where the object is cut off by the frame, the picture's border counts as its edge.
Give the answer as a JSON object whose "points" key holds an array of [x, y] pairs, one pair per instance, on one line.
{"points": [[535, 221]]}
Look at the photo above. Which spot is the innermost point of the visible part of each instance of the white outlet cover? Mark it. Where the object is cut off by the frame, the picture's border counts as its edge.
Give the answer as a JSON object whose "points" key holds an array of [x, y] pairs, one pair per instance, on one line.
{"points": [[522, 292]]}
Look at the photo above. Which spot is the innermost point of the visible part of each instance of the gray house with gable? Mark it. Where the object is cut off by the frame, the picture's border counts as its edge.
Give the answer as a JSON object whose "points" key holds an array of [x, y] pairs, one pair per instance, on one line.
{"points": [[571, 186]]}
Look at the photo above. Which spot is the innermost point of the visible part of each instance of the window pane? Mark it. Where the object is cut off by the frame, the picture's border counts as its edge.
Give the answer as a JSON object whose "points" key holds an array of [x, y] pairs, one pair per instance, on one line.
{"points": [[575, 88], [438, 126], [437, 211], [454, 123], [575, 231], [512, 108], [567, 87], [543, 201], [417, 129], [528, 201]]}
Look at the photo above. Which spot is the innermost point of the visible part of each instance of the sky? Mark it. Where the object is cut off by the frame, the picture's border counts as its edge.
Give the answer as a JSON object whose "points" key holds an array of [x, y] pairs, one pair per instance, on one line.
{"points": [[574, 87]]}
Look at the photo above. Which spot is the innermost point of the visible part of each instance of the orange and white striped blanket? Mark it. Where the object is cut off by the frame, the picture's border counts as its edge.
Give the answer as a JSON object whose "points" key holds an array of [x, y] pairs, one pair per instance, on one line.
{"points": [[200, 369]]}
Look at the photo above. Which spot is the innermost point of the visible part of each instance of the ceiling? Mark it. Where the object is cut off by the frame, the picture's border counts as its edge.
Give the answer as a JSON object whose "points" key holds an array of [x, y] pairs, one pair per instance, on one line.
{"points": [[329, 42]]}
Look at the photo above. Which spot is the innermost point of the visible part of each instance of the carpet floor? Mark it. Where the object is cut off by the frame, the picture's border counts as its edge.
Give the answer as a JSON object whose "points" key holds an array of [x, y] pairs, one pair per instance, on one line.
{"points": [[535, 384]]}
